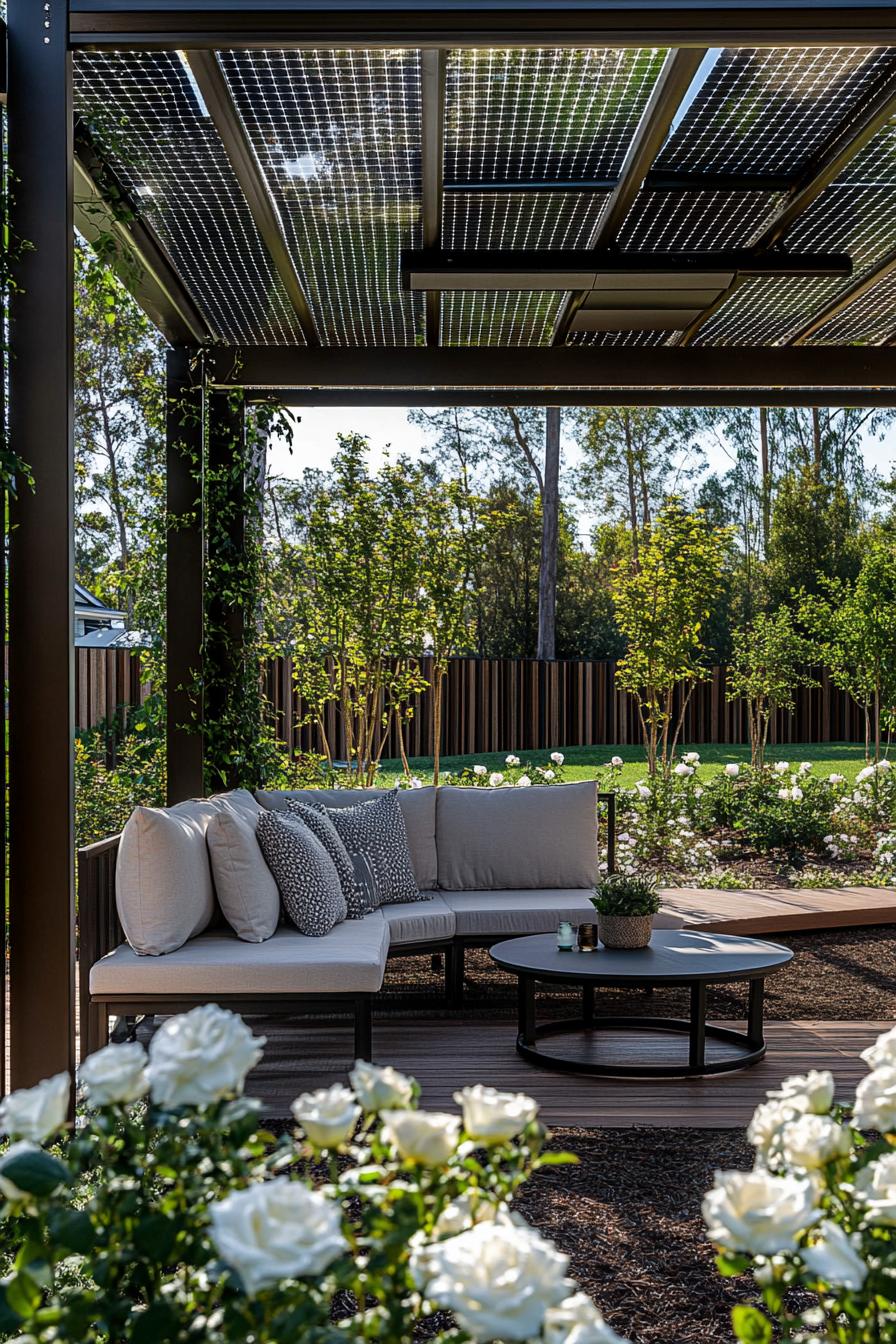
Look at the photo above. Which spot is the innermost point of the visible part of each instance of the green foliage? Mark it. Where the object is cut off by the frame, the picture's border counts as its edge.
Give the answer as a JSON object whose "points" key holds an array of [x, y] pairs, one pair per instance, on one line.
{"points": [[814, 536], [768, 662], [663, 597], [621, 894], [117, 771]]}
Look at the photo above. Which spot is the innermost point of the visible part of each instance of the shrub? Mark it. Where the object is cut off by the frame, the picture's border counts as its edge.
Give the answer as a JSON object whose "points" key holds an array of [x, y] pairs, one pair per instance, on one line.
{"points": [[620, 894], [169, 1215]]}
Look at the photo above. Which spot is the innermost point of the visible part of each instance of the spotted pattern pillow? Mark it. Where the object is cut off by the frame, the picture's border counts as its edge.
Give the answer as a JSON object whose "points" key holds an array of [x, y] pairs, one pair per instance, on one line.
{"points": [[377, 829], [317, 821], [304, 872]]}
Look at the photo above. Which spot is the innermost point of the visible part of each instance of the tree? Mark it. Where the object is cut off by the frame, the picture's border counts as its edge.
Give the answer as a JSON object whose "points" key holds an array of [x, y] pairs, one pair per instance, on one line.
{"points": [[768, 662], [663, 598], [814, 537], [854, 626], [550, 521]]}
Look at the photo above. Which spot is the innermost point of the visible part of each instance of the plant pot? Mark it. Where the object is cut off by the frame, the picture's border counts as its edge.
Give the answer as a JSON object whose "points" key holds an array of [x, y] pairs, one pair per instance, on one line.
{"points": [[625, 931]]}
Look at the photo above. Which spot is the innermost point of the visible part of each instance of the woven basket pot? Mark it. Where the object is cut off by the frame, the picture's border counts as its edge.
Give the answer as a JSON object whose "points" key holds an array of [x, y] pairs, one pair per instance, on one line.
{"points": [[625, 931]]}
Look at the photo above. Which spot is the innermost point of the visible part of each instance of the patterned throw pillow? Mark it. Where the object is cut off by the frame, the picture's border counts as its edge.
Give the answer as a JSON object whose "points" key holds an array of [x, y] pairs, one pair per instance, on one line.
{"points": [[366, 880], [377, 830], [304, 872], [317, 821]]}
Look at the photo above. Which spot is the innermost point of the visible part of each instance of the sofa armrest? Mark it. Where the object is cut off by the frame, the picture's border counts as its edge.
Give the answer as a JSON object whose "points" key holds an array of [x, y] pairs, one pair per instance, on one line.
{"points": [[99, 929], [610, 800]]}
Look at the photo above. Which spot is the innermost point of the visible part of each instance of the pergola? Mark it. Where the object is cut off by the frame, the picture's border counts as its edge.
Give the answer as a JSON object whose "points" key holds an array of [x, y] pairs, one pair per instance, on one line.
{"points": [[415, 202]]}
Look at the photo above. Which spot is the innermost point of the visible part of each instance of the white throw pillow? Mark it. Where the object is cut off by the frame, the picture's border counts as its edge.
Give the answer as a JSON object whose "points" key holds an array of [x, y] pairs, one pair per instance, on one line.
{"points": [[244, 885], [240, 801], [163, 882]]}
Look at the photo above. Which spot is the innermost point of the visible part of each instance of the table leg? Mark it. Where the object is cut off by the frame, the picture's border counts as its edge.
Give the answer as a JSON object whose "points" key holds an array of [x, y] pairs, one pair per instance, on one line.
{"points": [[588, 1004], [526, 1008], [697, 1051], [754, 1013]]}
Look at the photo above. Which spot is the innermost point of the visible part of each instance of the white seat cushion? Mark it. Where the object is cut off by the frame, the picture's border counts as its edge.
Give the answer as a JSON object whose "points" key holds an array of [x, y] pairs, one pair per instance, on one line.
{"points": [[419, 923], [483, 913], [350, 959]]}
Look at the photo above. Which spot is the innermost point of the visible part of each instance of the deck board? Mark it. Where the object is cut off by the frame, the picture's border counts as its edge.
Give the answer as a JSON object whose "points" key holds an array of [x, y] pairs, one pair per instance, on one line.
{"points": [[444, 1055], [781, 910]]}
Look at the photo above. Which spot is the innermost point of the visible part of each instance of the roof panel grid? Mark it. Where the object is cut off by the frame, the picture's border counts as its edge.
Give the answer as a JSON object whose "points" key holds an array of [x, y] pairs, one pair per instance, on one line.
{"points": [[771, 110], [505, 317], [528, 221], [337, 134], [545, 115], [696, 221], [767, 311], [146, 118], [617, 338], [871, 319]]}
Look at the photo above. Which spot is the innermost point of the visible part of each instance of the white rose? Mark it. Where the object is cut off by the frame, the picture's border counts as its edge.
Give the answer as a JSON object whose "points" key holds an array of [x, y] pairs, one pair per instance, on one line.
{"points": [[524, 782], [497, 1280], [812, 1140], [415, 782], [115, 1075], [732, 770], [201, 1056], [548, 774], [429, 1137], [36, 1112], [797, 794], [8, 1189], [642, 790], [756, 1212], [495, 1117], [381, 1088], [805, 767], [875, 1106], [512, 760], [884, 765], [768, 1120], [480, 770], [867, 773], [781, 767], [836, 779], [883, 1051], [683, 770], [812, 1091], [578, 1321], [876, 1188], [276, 1230], [616, 761], [834, 1258], [692, 757], [495, 778], [328, 1116], [784, 795], [557, 757], [467, 1210]]}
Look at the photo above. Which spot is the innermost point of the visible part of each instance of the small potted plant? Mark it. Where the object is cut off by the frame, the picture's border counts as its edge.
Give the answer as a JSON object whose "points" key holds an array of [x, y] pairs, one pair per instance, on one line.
{"points": [[625, 908]]}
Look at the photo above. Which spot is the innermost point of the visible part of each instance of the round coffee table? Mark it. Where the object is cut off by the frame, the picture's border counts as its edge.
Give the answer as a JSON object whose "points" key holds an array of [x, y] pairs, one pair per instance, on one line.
{"points": [[675, 957]]}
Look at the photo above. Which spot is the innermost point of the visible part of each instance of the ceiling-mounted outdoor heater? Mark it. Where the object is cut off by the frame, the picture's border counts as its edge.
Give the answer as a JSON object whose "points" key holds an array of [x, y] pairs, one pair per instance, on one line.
{"points": [[636, 292]]}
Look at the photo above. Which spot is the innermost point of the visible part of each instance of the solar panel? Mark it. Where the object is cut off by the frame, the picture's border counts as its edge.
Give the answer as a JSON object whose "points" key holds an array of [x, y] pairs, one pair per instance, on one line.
{"points": [[337, 134], [146, 116], [869, 320], [502, 317]]}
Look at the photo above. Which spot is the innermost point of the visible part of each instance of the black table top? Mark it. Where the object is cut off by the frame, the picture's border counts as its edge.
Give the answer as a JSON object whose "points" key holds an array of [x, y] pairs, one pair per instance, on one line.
{"points": [[675, 956]]}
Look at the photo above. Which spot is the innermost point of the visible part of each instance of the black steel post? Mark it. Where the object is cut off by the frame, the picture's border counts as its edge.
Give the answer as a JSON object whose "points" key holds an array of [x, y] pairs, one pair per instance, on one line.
{"points": [[41, 614], [184, 581]]}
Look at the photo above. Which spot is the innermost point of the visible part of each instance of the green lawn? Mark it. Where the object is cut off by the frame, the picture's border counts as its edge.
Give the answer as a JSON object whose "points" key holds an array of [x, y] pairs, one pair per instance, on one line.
{"points": [[846, 758]]}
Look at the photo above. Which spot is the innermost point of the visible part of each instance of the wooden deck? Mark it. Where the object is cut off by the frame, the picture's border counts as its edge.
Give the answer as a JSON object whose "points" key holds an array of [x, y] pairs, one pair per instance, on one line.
{"points": [[778, 910], [445, 1055]]}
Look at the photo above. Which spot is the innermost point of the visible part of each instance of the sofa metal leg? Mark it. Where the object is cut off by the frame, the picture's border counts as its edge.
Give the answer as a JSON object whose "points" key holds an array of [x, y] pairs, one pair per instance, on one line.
{"points": [[454, 975], [363, 1029], [436, 962], [95, 1032]]}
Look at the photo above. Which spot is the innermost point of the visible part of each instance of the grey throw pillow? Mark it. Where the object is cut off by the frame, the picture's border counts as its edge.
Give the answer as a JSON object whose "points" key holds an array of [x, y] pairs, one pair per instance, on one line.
{"points": [[376, 829], [317, 821], [304, 872]]}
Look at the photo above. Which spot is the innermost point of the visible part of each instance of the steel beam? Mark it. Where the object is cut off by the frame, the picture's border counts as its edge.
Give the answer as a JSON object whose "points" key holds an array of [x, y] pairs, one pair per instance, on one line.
{"points": [[214, 24], [839, 305], [224, 113], [184, 573], [432, 161], [673, 82], [41, 612], [544, 368], [140, 260], [606, 396]]}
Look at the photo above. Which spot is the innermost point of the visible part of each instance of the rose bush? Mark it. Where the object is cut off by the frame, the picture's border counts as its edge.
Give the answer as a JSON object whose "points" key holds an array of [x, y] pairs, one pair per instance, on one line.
{"points": [[167, 1215], [818, 1211]]}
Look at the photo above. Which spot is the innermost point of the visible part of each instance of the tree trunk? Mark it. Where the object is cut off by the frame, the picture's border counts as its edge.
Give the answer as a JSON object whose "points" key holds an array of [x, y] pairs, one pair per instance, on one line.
{"points": [[436, 722], [816, 443], [766, 484], [550, 520]]}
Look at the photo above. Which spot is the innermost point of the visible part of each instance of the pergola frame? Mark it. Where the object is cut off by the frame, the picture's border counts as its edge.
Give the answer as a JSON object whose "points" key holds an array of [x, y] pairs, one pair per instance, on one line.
{"points": [[42, 37]]}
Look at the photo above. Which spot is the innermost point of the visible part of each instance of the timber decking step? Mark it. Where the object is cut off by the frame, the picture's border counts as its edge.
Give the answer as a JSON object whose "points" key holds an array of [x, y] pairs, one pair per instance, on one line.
{"points": [[780, 910], [445, 1055]]}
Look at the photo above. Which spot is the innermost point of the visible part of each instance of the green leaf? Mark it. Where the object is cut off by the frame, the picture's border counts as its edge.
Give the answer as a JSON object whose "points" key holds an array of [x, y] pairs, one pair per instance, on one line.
{"points": [[9, 1317], [751, 1326], [23, 1294], [72, 1229], [154, 1236], [157, 1325], [556, 1160], [729, 1266], [36, 1173]]}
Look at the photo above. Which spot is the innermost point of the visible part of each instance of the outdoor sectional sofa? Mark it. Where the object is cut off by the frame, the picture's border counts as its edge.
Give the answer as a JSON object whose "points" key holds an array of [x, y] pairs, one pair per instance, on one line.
{"points": [[493, 863]]}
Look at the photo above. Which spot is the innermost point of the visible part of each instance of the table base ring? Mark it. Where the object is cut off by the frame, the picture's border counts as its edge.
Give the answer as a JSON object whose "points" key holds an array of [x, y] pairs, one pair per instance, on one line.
{"points": [[751, 1050]]}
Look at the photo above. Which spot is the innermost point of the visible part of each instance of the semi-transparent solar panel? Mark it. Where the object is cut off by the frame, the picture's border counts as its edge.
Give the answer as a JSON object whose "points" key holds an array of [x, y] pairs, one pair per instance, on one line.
{"points": [[869, 320], [503, 317], [765, 311], [694, 220], [525, 220], [337, 134], [771, 110], [629, 338], [148, 120], [518, 115]]}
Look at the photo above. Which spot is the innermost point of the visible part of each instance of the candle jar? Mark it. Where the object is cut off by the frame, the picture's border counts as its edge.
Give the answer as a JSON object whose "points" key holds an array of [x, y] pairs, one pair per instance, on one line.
{"points": [[566, 936], [587, 937]]}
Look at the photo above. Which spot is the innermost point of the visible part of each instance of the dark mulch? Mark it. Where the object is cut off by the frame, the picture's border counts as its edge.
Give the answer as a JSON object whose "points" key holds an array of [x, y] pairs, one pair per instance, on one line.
{"points": [[838, 975]]}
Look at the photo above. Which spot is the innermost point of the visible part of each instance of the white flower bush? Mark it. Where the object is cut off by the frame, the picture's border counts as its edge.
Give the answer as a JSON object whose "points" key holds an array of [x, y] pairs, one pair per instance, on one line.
{"points": [[167, 1214], [815, 1212], [516, 773]]}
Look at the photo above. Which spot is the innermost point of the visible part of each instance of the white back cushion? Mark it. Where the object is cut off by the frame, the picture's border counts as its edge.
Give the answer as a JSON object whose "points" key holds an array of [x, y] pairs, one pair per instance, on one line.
{"points": [[244, 884], [163, 882]]}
